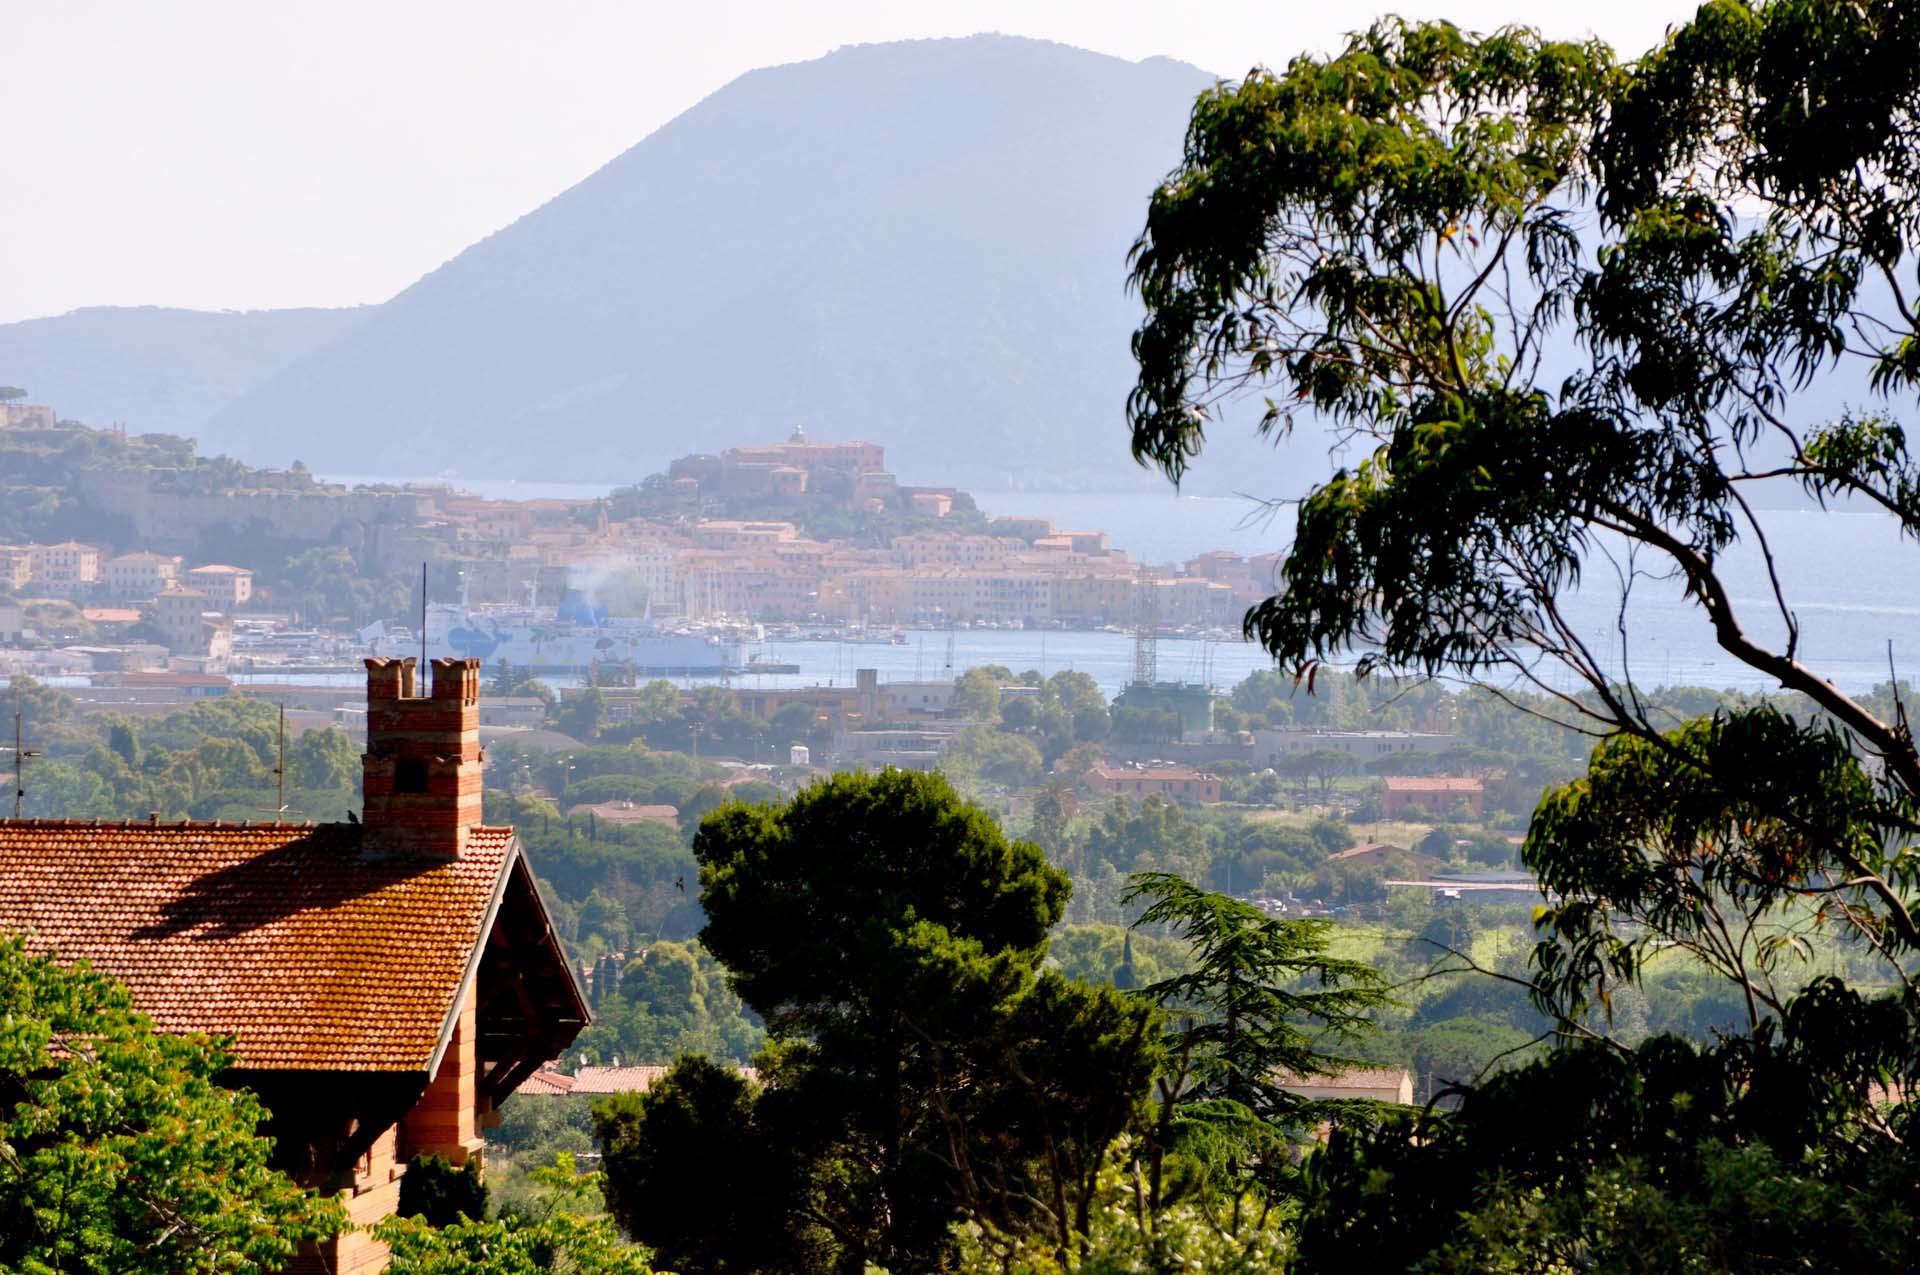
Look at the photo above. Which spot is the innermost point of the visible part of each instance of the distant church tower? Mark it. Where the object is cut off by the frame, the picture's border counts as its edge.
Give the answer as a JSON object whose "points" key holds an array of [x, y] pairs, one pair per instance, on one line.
{"points": [[799, 434]]}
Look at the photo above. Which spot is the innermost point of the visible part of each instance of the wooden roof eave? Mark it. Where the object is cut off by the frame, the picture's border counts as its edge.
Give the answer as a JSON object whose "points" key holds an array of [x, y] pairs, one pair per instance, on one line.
{"points": [[476, 950], [517, 860], [510, 863]]}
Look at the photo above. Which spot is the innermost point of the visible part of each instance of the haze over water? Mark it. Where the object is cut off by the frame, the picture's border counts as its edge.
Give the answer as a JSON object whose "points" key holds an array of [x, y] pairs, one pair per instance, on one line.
{"points": [[1854, 584]]}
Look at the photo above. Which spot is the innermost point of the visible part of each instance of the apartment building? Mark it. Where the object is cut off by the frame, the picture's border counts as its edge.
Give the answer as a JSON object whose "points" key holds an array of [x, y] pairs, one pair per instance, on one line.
{"points": [[16, 566], [190, 626], [138, 576], [759, 586], [1103, 596], [1252, 580], [1190, 600], [1362, 745], [723, 533], [1174, 783], [934, 549], [654, 571], [65, 565], [227, 588]]}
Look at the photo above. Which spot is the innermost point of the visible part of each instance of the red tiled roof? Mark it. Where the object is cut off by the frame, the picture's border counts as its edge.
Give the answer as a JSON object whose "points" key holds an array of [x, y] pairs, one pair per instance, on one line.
{"points": [[1147, 772], [604, 1080], [1367, 848], [629, 812], [310, 952], [598, 1080], [547, 1083], [1417, 783]]}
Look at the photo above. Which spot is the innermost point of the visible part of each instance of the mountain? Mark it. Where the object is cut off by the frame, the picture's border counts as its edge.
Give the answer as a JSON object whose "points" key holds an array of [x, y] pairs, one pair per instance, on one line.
{"points": [[159, 370], [922, 244]]}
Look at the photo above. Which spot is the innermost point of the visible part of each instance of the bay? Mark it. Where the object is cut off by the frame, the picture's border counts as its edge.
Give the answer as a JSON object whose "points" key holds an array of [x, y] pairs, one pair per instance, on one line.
{"points": [[1851, 579]]}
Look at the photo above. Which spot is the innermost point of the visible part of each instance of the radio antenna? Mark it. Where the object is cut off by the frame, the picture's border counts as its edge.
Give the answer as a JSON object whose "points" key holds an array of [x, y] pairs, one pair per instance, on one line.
{"points": [[280, 771], [21, 754]]}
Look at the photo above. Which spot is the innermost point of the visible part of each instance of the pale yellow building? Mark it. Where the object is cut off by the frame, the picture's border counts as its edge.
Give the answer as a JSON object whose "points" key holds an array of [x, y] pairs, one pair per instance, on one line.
{"points": [[187, 623], [140, 575], [16, 566], [226, 588], [65, 565], [1380, 1084]]}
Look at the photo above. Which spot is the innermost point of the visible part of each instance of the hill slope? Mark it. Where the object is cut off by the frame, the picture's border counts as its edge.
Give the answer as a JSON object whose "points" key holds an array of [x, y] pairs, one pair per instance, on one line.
{"points": [[922, 244], [160, 370]]}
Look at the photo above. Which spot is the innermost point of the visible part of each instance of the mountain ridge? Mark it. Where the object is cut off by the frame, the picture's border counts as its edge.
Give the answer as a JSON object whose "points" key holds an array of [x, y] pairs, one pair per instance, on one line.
{"points": [[161, 369], [920, 243]]}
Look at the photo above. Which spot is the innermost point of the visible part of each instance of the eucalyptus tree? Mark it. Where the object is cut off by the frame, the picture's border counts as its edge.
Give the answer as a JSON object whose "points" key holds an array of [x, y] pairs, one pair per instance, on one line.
{"points": [[1571, 318]]}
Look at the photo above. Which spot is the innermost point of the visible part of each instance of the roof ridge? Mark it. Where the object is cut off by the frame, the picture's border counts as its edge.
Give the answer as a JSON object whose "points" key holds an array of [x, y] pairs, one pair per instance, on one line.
{"points": [[214, 825]]}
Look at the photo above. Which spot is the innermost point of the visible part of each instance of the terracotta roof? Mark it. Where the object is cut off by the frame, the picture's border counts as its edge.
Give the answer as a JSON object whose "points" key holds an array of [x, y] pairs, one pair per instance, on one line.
{"points": [[602, 1080], [1437, 783], [1147, 772], [629, 812], [605, 1080], [1370, 847], [308, 951], [1384, 1079], [547, 1083]]}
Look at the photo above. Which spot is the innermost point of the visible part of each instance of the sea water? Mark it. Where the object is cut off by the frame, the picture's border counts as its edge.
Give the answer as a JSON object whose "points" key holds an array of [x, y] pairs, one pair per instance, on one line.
{"points": [[1851, 581]]}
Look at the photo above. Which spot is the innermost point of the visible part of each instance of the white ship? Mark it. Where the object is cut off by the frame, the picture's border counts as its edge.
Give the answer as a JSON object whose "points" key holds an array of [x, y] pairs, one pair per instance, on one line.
{"points": [[570, 639]]}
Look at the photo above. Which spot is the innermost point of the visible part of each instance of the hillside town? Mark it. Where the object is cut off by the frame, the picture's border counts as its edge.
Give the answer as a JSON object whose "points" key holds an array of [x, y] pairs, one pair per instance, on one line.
{"points": [[919, 557]]}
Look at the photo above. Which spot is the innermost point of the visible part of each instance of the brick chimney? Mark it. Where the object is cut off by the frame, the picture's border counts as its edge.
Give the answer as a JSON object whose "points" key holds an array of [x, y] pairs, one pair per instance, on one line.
{"points": [[421, 771]]}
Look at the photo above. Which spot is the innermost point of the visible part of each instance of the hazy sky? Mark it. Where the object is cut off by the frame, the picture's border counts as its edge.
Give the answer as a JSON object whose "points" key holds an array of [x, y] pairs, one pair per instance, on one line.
{"points": [[235, 154]]}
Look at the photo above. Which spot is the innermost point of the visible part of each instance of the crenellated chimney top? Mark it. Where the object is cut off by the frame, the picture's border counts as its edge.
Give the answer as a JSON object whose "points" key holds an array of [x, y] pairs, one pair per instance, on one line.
{"points": [[421, 774]]}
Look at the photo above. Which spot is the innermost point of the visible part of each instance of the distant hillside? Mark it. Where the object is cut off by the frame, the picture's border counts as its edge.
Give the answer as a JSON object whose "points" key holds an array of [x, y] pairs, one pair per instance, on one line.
{"points": [[160, 370], [922, 244]]}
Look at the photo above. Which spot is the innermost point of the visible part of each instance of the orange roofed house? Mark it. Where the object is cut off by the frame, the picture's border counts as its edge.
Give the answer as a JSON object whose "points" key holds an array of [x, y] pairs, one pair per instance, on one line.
{"points": [[1417, 795], [386, 984]]}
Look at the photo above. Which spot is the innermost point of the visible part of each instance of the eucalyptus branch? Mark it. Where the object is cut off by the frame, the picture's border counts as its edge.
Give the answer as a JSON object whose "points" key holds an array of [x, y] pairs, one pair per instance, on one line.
{"points": [[1706, 585]]}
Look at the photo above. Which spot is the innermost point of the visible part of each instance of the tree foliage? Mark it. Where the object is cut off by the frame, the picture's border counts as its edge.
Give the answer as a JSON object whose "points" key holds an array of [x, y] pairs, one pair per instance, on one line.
{"points": [[1264, 1004], [1762, 1152], [511, 1246], [687, 1169], [119, 1152], [923, 1066], [1571, 314], [439, 1193], [1576, 320]]}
